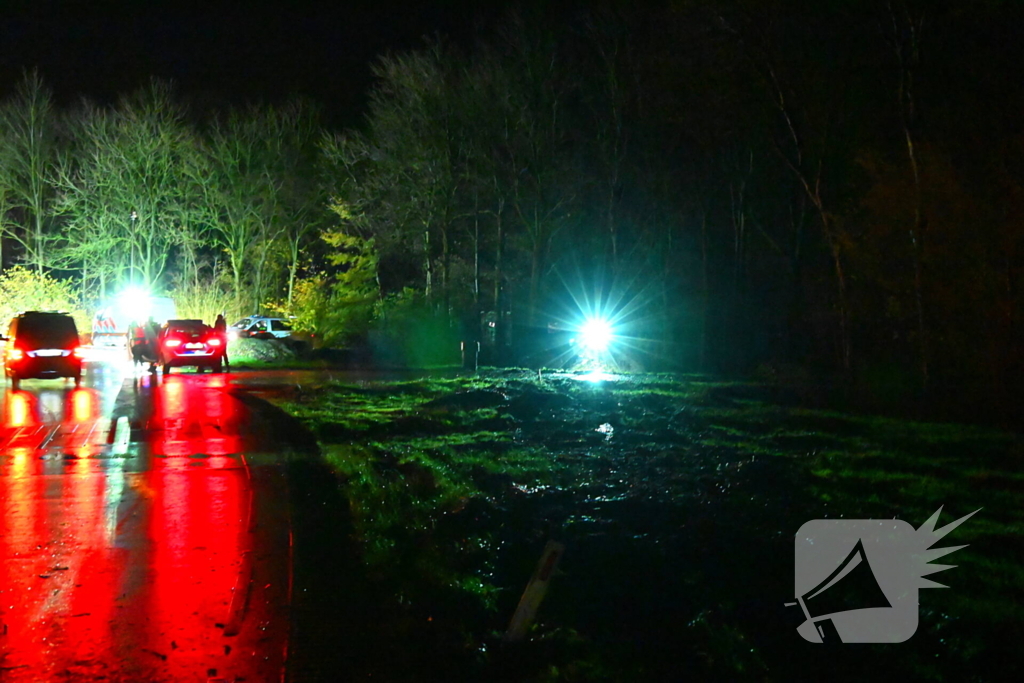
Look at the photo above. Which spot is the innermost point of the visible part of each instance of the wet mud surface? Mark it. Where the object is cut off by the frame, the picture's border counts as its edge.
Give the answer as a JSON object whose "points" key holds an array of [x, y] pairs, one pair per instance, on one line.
{"points": [[677, 500]]}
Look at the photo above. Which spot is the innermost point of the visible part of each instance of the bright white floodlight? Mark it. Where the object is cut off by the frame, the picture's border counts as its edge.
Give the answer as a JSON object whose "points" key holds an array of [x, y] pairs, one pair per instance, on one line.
{"points": [[136, 303], [595, 334]]}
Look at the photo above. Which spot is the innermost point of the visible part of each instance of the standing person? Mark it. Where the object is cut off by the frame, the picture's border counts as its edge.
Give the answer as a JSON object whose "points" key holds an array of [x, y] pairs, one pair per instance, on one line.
{"points": [[152, 332], [137, 341], [220, 327]]}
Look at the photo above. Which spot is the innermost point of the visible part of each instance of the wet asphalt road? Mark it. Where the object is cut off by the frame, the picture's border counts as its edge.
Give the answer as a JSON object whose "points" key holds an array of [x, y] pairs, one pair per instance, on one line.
{"points": [[144, 530]]}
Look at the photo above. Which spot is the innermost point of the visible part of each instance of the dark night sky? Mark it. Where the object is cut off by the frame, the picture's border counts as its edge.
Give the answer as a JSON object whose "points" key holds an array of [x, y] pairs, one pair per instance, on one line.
{"points": [[224, 51]]}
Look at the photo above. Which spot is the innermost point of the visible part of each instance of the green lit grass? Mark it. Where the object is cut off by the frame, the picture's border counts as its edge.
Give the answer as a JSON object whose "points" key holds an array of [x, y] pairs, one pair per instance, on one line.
{"points": [[451, 505]]}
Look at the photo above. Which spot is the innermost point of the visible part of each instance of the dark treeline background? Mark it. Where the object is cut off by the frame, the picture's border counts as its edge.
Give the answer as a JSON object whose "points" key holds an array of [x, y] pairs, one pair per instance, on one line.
{"points": [[826, 189]]}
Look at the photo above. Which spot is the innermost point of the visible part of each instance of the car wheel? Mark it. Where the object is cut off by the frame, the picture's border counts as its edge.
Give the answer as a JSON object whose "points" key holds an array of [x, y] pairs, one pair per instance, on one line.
{"points": [[218, 367]]}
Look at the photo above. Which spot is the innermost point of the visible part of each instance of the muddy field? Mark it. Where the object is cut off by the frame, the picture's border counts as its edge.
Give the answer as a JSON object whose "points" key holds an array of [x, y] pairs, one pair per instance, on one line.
{"points": [[677, 500]]}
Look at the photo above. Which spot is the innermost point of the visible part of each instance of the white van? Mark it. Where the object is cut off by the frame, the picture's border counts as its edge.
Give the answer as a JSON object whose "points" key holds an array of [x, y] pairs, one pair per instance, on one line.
{"points": [[111, 322]]}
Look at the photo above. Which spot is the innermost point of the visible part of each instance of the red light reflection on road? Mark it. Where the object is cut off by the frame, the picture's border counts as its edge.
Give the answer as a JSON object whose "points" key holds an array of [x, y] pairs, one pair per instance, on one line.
{"points": [[20, 410], [23, 524], [194, 415], [84, 405], [93, 563], [198, 530], [69, 420], [81, 418], [125, 568]]}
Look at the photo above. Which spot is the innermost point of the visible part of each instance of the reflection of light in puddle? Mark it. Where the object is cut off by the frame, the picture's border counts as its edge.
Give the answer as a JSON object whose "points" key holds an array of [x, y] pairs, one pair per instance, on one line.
{"points": [[583, 518], [51, 404], [112, 355], [525, 488], [220, 462], [596, 376], [18, 410], [83, 405]]}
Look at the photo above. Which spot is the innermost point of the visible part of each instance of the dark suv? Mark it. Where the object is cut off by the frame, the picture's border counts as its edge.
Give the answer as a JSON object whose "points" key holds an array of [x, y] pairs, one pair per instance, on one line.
{"points": [[42, 345]]}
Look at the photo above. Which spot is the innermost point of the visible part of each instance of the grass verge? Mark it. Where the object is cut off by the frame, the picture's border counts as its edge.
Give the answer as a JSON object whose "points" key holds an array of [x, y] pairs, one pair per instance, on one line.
{"points": [[677, 499]]}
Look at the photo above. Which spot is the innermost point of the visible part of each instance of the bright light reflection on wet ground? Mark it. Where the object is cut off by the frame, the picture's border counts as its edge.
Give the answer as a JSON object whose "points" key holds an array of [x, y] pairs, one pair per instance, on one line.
{"points": [[593, 377], [129, 566]]}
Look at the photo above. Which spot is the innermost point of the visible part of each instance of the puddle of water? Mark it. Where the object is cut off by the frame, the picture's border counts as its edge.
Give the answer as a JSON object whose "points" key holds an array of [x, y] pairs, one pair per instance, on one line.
{"points": [[594, 377]]}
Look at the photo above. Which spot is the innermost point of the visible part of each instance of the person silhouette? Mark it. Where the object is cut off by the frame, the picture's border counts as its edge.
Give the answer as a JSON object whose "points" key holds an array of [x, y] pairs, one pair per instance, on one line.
{"points": [[152, 334], [220, 328]]}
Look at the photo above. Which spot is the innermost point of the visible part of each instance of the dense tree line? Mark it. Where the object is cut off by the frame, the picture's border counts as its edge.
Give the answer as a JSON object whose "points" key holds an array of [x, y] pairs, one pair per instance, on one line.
{"points": [[830, 184], [826, 185], [141, 194]]}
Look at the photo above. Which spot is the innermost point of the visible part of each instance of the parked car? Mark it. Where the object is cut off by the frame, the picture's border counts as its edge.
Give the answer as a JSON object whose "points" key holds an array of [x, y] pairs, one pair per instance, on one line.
{"points": [[42, 345], [260, 327], [184, 343]]}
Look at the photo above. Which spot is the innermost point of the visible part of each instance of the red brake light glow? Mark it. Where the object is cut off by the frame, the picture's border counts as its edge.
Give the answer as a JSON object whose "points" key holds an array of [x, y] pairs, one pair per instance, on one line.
{"points": [[15, 354], [170, 343], [213, 341], [78, 352]]}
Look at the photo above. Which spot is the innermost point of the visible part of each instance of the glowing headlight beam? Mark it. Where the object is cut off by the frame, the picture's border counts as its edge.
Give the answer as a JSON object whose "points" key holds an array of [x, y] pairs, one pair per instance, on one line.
{"points": [[135, 302], [596, 334]]}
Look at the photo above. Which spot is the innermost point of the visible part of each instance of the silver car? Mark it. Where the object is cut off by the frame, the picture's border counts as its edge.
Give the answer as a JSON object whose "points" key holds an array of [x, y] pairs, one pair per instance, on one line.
{"points": [[260, 327]]}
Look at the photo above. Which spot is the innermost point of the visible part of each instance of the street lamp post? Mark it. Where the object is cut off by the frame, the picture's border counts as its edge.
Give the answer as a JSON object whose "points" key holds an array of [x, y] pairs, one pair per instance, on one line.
{"points": [[131, 245]]}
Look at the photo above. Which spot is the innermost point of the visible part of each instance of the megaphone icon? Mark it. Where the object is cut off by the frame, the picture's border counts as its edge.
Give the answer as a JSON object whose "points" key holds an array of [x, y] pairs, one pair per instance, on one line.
{"points": [[852, 586], [849, 605]]}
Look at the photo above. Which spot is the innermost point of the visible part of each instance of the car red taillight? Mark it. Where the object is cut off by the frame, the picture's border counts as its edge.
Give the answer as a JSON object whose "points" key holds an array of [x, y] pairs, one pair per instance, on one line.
{"points": [[78, 352], [213, 341], [171, 343], [15, 354]]}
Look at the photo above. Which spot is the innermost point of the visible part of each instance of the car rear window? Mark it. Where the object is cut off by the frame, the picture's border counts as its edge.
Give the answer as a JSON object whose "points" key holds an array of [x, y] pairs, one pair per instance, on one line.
{"points": [[187, 329], [279, 325], [42, 332]]}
